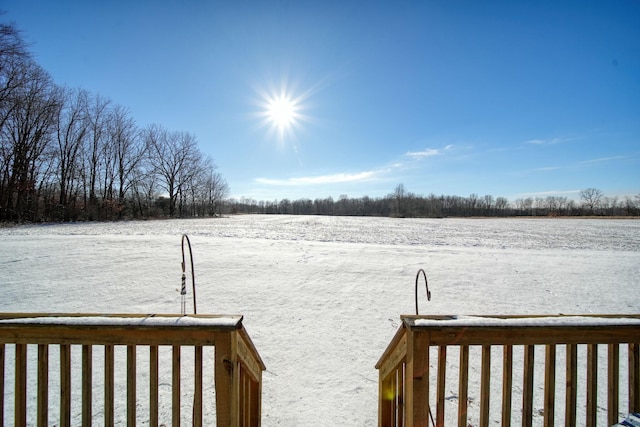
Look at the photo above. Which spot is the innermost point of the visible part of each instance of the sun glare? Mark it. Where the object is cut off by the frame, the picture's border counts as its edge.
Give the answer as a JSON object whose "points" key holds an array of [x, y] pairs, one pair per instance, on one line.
{"points": [[282, 112]]}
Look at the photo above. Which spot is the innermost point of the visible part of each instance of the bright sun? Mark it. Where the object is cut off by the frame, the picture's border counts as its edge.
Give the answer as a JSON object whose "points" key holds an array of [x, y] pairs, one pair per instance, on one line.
{"points": [[282, 112]]}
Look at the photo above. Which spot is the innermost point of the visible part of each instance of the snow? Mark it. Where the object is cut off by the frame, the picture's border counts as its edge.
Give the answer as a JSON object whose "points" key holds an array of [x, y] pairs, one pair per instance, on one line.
{"points": [[147, 321], [564, 321], [322, 296]]}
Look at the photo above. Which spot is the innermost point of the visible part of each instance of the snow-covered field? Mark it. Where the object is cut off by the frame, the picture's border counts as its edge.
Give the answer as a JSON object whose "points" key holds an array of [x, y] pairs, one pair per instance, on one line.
{"points": [[322, 296]]}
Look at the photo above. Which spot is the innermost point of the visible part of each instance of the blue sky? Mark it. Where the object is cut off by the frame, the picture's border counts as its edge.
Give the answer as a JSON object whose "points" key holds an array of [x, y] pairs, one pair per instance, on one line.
{"points": [[508, 98]]}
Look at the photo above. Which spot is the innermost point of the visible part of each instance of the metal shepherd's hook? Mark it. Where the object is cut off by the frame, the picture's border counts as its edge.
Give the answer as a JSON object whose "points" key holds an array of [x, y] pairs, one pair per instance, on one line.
{"points": [[183, 289], [426, 285]]}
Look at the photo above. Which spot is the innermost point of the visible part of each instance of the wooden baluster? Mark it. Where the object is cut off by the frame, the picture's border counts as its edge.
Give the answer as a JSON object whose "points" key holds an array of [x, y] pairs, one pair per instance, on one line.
{"points": [[43, 385], [549, 385], [592, 384], [87, 383], [634, 377], [153, 386], [108, 385], [485, 384], [527, 389], [440, 387], [572, 385], [197, 400], [507, 384], [399, 401], [65, 385], [463, 386], [20, 395], [131, 385], [613, 383], [2, 357], [175, 400]]}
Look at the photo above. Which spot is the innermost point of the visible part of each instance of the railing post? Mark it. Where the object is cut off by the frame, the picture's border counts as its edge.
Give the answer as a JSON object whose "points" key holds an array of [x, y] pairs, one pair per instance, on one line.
{"points": [[417, 399], [226, 383]]}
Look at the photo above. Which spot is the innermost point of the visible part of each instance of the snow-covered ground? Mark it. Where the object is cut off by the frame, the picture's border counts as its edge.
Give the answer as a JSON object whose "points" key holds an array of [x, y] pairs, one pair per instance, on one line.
{"points": [[322, 296]]}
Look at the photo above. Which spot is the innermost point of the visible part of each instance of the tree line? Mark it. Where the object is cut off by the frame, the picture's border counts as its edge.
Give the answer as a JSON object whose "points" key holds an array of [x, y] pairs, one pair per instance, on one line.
{"points": [[68, 154], [401, 203]]}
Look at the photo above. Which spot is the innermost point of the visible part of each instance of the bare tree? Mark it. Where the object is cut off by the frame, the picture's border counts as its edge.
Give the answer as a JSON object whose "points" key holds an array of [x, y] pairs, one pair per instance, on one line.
{"points": [[591, 198], [129, 149], [27, 133], [98, 115], [71, 131], [170, 153]]}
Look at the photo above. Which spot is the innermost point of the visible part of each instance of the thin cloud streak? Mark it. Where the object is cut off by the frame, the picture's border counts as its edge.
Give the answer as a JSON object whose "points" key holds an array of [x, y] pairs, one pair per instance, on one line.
{"points": [[549, 193], [604, 159], [322, 179], [429, 152], [552, 141]]}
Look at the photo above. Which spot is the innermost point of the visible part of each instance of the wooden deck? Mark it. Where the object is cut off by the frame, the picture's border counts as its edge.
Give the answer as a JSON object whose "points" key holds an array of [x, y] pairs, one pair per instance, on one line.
{"points": [[237, 366], [418, 357]]}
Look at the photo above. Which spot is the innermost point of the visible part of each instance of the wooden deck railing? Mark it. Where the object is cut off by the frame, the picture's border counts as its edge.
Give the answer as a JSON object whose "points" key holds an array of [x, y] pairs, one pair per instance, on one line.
{"points": [[109, 390], [529, 366]]}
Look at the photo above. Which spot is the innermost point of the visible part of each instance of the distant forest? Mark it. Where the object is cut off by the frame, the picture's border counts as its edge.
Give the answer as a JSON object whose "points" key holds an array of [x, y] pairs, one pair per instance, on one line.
{"points": [[67, 154], [401, 203]]}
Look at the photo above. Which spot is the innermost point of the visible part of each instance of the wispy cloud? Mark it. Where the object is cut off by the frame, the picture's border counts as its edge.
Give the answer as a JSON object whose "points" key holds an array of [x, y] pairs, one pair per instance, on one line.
{"points": [[547, 168], [549, 141], [336, 178], [549, 193], [429, 152], [604, 159]]}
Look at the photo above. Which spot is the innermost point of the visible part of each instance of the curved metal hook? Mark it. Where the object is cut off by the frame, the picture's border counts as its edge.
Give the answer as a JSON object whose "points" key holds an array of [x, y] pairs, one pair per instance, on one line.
{"points": [[193, 274], [426, 285]]}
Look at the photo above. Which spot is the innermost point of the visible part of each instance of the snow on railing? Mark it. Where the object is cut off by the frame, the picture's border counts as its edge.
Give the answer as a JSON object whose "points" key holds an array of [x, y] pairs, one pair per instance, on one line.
{"points": [[235, 369], [426, 343]]}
